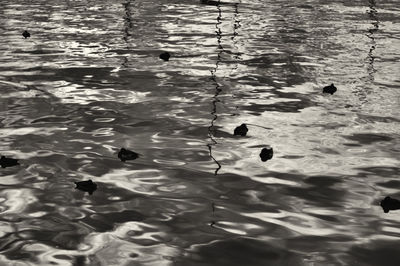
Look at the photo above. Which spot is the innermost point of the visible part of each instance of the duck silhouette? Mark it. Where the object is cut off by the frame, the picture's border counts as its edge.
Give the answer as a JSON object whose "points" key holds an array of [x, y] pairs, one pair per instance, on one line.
{"points": [[329, 89], [165, 56], [266, 154], [240, 130], [26, 34], [86, 186], [8, 162], [211, 2], [126, 155], [389, 204]]}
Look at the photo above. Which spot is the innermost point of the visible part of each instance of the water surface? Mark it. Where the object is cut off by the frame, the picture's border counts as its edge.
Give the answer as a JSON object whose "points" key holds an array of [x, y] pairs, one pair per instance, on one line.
{"points": [[89, 81]]}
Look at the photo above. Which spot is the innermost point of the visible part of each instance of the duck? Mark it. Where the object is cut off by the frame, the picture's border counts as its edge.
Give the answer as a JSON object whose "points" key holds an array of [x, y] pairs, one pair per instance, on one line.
{"points": [[8, 162], [241, 130], [165, 56], [87, 186], [389, 204], [126, 155], [211, 2], [26, 34], [329, 89], [266, 154]]}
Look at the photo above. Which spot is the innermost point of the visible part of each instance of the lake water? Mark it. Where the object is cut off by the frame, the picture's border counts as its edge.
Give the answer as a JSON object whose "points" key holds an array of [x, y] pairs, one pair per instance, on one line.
{"points": [[89, 81]]}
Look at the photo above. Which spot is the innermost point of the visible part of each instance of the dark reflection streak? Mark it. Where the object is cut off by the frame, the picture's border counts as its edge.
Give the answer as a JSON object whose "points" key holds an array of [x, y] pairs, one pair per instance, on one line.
{"points": [[125, 63], [370, 59], [236, 26], [218, 27], [372, 12], [128, 20], [213, 213], [215, 116], [128, 27], [217, 90]]}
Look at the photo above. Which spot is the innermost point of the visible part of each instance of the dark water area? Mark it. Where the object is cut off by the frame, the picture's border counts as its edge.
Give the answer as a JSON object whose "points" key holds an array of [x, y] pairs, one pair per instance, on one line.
{"points": [[89, 81]]}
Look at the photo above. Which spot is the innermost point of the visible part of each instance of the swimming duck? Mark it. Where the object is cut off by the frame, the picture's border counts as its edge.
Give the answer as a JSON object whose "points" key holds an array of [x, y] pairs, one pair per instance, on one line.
{"points": [[165, 56], [241, 130], [125, 155], [389, 204], [8, 162], [266, 154], [87, 186], [26, 34], [329, 89], [211, 2]]}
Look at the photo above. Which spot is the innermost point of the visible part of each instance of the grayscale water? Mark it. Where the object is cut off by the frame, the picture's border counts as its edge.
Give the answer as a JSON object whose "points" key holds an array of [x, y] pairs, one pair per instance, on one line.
{"points": [[89, 82]]}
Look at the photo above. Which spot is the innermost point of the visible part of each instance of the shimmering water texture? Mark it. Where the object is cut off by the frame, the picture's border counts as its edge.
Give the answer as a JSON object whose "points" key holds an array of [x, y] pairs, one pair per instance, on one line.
{"points": [[121, 126]]}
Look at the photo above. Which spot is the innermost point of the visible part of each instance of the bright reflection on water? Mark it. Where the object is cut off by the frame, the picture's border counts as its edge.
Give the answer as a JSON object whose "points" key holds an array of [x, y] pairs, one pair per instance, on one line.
{"points": [[89, 81]]}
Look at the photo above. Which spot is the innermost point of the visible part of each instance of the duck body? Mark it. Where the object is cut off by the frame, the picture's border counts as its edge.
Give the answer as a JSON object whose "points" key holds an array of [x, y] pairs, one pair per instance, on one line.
{"points": [[241, 130], [266, 154], [165, 56], [125, 155], [8, 162], [26, 34], [210, 2], [331, 89], [87, 186], [389, 204], [216, 3]]}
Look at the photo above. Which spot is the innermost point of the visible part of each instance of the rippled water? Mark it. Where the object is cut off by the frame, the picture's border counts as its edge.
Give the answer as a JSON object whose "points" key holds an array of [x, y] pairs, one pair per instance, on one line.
{"points": [[89, 81]]}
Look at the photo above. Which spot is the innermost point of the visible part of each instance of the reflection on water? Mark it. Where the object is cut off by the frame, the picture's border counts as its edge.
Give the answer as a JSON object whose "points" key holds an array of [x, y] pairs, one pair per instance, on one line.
{"points": [[372, 30], [373, 14], [188, 190], [218, 90]]}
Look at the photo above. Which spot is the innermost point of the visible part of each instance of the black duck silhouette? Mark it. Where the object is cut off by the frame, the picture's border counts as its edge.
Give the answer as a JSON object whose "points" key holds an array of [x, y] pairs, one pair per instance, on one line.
{"points": [[165, 56], [266, 154], [389, 204], [126, 155], [209, 2], [329, 89], [87, 186], [241, 130], [8, 162], [212, 2], [26, 34]]}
